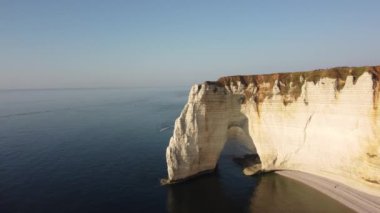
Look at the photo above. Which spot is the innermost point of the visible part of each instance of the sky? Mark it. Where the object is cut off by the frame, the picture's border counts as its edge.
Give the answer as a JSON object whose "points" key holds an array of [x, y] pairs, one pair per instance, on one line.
{"points": [[97, 43]]}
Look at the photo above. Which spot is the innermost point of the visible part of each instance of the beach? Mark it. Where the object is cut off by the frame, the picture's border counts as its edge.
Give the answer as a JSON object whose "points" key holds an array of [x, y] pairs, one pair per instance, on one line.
{"points": [[354, 199]]}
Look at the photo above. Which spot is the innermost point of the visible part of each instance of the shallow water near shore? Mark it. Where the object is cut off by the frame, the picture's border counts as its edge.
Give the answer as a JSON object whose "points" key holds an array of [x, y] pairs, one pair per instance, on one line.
{"points": [[103, 150]]}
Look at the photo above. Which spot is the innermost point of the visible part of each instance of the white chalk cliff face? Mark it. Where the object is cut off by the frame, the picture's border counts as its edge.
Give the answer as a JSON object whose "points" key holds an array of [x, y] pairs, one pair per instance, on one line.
{"points": [[323, 122]]}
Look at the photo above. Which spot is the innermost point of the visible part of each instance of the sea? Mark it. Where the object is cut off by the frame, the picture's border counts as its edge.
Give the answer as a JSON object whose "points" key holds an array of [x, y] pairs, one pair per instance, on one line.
{"points": [[103, 150]]}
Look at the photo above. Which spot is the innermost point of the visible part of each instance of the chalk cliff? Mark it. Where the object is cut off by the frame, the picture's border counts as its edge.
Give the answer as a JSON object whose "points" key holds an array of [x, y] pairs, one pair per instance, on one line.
{"points": [[324, 122]]}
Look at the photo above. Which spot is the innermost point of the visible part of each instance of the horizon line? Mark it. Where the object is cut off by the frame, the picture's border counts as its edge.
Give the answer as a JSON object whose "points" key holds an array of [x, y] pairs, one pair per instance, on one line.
{"points": [[87, 88]]}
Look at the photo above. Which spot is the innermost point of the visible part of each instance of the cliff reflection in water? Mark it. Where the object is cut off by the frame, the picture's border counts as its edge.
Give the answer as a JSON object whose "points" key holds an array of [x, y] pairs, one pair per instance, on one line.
{"points": [[228, 190], [275, 193], [265, 193], [200, 195]]}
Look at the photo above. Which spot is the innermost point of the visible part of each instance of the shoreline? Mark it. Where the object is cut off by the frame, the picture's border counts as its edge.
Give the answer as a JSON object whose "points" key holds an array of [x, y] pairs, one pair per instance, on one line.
{"points": [[352, 198]]}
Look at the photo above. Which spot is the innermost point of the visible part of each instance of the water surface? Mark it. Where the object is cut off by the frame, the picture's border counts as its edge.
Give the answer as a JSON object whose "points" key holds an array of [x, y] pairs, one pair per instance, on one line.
{"points": [[103, 150]]}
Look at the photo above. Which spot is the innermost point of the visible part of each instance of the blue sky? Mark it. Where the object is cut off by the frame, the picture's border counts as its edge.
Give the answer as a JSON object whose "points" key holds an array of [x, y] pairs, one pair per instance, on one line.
{"points": [[80, 44]]}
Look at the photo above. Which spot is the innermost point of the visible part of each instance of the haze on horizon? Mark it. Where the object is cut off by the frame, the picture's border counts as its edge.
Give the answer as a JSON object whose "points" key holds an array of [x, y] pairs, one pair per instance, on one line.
{"points": [[81, 44]]}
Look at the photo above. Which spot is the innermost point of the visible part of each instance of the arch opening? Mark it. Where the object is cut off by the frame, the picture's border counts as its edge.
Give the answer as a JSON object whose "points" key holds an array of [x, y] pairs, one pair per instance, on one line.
{"points": [[241, 149]]}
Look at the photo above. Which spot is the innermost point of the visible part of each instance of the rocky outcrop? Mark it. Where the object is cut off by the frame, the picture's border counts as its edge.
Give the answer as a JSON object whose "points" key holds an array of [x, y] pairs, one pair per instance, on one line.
{"points": [[323, 122]]}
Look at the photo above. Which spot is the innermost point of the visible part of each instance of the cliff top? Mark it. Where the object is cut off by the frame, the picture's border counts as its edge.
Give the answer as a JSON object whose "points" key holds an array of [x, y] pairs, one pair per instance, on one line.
{"points": [[339, 73], [290, 84]]}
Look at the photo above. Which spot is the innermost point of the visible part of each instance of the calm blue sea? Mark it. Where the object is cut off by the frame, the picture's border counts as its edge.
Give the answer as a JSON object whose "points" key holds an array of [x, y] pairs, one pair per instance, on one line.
{"points": [[103, 150]]}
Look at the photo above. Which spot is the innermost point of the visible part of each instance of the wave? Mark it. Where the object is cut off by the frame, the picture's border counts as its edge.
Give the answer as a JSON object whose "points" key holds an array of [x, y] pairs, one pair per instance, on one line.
{"points": [[24, 114], [166, 128]]}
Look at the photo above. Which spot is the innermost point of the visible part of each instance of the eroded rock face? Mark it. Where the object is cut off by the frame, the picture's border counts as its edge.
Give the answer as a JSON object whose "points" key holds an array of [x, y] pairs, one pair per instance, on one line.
{"points": [[324, 122]]}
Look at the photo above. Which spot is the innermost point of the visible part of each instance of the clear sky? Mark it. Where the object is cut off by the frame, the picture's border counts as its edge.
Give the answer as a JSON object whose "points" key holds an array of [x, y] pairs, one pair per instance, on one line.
{"points": [[105, 43]]}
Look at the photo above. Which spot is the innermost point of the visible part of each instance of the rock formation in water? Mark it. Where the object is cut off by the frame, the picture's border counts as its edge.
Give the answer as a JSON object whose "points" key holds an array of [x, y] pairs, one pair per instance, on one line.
{"points": [[324, 122]]}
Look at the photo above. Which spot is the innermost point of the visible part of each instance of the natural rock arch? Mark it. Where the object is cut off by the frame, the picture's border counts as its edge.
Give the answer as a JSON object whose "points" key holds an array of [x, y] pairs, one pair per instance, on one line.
{"points": [[324, 122]]}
